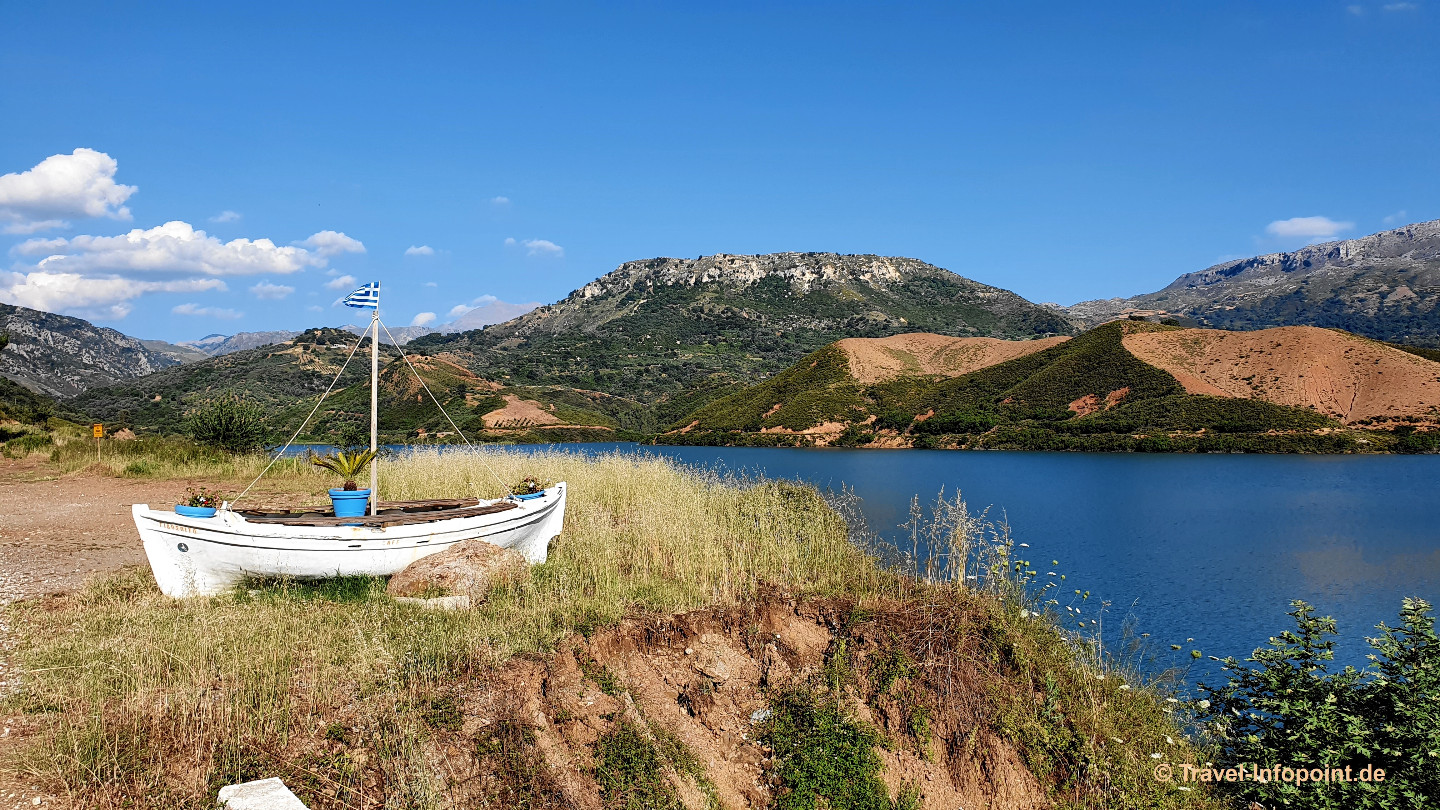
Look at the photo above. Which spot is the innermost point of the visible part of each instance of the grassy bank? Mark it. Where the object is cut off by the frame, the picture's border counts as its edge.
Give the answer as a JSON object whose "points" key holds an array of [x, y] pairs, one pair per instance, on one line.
{"points": [[150, 702]]}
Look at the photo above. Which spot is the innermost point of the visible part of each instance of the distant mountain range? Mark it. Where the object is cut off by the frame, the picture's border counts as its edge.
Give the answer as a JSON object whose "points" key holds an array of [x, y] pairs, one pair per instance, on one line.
{"points": [[655, 342], [1384, 286], [60, 356], [288, 377], [216, 345]]}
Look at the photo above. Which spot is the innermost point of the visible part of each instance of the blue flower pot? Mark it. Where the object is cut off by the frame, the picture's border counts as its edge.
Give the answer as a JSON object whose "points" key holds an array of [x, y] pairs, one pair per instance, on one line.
{"points": [[350, 502], [195, 511]]}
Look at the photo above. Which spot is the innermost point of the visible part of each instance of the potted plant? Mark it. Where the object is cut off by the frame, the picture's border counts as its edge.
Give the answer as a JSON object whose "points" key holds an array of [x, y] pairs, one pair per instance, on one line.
{"points": [[529, 487], [349, 501], [199, 502]]}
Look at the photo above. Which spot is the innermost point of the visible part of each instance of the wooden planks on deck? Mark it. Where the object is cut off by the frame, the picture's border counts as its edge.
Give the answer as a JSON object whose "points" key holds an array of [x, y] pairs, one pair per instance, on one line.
{"points": [[399, 513]]}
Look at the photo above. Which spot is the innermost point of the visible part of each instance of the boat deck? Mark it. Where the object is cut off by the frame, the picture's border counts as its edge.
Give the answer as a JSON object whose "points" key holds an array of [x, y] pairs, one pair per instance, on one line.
{"points": [[391, 513]]}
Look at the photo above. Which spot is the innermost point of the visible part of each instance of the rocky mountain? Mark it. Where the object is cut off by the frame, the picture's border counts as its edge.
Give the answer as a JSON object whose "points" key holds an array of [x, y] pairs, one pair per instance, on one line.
{"points": [[485, 314], [1384, 286], [678, 331], [175, 351], [217, 345], [60, 356], [402, 334], [1120, 386]]}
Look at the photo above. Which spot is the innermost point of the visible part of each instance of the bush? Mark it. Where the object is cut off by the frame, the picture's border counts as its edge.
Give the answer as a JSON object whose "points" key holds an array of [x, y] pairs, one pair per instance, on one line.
{"points": [[27, 444], [1290, 711], [228, 422]]}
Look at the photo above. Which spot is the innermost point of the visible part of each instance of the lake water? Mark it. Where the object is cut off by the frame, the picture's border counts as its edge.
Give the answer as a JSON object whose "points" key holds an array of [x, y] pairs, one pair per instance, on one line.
{"points": [[1209, 547]]}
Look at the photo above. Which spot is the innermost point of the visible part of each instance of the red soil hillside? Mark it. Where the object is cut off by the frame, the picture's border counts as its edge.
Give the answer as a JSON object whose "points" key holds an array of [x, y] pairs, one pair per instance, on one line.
{"points": [[874, 360], [1339, 374]]}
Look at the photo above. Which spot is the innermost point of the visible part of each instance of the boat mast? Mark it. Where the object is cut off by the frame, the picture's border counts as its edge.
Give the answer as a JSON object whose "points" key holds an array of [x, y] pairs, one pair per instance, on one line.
{"points": [[374, 401]]}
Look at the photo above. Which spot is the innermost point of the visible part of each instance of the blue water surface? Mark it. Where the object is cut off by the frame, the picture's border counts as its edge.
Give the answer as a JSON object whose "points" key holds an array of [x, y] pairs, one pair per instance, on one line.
{"points": [[1203, 547]]}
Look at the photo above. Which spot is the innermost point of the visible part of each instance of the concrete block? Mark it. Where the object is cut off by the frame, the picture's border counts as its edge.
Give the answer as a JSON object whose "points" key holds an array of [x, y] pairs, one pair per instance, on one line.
{"points": [[262, 794]]}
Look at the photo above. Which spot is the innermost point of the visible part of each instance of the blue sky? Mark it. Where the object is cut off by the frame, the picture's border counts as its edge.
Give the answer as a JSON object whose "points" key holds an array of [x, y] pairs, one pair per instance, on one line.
{"points": [[1065, 151]]}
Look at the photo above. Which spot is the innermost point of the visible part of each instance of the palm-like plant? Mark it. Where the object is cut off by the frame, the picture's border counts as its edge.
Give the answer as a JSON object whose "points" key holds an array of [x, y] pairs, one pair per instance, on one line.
{"points": [[346, 464]]}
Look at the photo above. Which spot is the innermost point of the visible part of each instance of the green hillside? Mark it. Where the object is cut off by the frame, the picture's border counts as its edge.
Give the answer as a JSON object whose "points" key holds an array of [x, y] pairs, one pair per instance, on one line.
{"points": [[678, 332], [1085, 393], [288, 378]]}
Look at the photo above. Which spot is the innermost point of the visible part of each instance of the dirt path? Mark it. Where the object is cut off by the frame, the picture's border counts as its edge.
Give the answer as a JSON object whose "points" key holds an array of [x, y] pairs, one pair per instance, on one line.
{"points": [[56, 532]]}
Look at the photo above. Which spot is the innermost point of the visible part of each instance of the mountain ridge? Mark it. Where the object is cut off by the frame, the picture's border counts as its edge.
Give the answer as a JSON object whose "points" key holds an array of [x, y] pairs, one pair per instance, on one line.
{"points": [[60, 356], [679, 331], [1384, 286]]}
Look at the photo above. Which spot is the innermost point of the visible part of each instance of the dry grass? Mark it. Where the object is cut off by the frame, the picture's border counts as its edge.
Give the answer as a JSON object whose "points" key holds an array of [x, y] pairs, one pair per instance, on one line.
{"points": [[153, 697], [152, 702]]}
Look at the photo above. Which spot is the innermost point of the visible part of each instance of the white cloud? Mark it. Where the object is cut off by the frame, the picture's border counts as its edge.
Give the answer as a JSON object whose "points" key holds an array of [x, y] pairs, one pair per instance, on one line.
{"points": [[174, 247], [80, 184], [1358, 11], [333, 243], [314, 308], [458, 310], [207, 312], [1400, 6], [423, 319], [1396, 218], [1316, 228], [226, 216], [537, 247], [266, 291], [340, 283], [499, 201], [419, 250], [75, 294], [431, 284]]}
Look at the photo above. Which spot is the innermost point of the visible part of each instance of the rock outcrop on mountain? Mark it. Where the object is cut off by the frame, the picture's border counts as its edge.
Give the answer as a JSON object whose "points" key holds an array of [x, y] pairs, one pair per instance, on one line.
{"points": [[1384, 286], [60, 356], [678, 331]]}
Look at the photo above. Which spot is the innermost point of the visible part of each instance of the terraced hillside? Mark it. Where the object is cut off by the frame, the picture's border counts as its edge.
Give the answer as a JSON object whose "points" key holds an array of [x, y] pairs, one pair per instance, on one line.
{"points": [[1089, 392]]}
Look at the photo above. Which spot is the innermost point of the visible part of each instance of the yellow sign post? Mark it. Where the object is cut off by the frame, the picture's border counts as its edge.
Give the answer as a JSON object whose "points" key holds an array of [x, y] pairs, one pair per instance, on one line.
{"points": [[99, 431]]}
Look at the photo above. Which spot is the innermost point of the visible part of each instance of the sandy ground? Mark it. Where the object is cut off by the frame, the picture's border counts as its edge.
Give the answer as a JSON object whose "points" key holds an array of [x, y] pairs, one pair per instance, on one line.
{"points": [[1347, 377], [517, 409], [54, 534], [874, 360]]}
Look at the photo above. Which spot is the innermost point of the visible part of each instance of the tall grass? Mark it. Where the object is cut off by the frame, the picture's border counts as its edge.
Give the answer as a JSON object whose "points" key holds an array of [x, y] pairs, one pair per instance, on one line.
{"points": [[154, 697], [157, 702]]}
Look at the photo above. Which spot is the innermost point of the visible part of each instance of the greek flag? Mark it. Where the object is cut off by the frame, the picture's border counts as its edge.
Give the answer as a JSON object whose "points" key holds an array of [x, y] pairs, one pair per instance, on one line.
{"points": [[367, 297]]}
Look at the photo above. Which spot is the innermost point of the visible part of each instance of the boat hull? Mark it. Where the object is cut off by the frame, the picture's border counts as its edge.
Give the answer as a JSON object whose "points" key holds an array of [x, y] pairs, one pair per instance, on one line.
{"points": [[206, 556]]}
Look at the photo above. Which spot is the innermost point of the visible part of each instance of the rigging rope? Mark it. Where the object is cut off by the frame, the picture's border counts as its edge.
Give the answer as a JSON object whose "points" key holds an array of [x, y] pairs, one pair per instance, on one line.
{"points": [[505, 490], [307, 419]]}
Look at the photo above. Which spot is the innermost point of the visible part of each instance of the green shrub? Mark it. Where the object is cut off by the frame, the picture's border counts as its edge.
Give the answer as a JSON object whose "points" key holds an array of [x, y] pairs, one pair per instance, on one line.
{"points": [[824, 758], [27, 444], [1289, 710], [630, 771], [228, 422]]}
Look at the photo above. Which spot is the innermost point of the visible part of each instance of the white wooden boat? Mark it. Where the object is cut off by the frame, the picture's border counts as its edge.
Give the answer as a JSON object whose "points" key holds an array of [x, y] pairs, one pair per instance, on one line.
{"points": [[201, 556], [198, 556]]}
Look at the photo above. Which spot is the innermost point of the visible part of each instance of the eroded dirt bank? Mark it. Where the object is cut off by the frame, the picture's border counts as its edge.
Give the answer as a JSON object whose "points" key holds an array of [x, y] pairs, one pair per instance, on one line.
{"points": [[705, 683]]}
